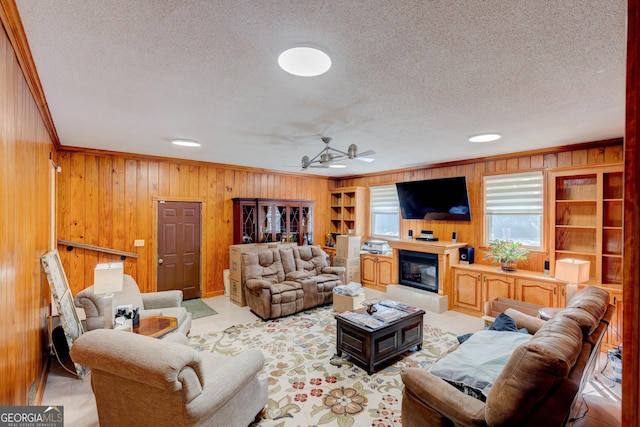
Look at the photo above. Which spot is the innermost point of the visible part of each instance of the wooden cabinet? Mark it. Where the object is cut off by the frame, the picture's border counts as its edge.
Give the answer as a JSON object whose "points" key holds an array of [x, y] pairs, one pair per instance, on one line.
{"points": [[473, 288], [541, 293], [245, 221], [348, 207], [271, 220], [376, 271], [467, 290], [497, 286], [477, 284], [587, 219]]}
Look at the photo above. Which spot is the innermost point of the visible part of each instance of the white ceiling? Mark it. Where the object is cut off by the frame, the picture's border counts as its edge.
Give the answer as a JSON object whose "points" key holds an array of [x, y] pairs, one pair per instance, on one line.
{"points": [[411, 79]]}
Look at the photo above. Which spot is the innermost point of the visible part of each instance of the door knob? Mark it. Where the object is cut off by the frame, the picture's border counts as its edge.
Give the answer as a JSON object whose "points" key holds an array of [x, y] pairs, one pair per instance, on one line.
{"points": [[160, 260]]}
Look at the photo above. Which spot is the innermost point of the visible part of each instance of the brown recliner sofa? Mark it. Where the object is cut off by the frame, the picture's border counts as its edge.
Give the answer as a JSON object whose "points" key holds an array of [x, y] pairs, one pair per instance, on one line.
{"points": [[280, 282], [308, 265], [540, 383]]}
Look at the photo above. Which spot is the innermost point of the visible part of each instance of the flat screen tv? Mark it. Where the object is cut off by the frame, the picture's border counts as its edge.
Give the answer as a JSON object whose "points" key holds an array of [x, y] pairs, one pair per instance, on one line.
{"points": [[439, 199]]}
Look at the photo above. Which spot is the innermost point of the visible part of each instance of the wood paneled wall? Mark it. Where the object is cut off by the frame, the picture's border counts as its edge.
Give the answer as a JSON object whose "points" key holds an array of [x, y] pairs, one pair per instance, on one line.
{"points": [[110, 200], [25, 224], [471, 232]]}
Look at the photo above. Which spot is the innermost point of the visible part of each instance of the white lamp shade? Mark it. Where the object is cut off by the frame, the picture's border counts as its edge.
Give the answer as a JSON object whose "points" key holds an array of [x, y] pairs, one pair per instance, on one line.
{"points": [[572, 270], [108, 278]]}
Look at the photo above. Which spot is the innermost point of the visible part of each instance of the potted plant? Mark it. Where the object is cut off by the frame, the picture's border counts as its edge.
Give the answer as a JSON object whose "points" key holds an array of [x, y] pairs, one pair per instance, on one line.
{"points": [[506, 253]]}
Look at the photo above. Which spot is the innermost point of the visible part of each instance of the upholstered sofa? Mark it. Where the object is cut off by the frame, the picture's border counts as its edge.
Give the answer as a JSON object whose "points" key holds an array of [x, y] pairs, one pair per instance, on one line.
{"points": [[164, 303], [143, 381], [280, 282], [539, 384]]}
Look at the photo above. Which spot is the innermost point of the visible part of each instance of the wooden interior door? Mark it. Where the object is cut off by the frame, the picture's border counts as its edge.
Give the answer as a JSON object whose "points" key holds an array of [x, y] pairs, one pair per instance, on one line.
{"points": [[179, 242]]}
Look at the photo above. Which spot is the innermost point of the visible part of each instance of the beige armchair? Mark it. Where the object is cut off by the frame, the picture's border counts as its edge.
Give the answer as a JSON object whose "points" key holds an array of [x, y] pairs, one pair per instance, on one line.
{"points": [[143, 381], [165, 303]]}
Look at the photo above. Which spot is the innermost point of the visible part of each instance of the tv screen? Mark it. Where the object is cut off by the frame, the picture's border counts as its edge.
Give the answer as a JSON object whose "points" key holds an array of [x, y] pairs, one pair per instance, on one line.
{"points": [[443, 199]]}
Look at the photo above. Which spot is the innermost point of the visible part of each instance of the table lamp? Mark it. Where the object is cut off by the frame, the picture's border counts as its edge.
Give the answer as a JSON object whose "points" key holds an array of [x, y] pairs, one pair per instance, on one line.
{"points": [[574, 272], [107, 279]]}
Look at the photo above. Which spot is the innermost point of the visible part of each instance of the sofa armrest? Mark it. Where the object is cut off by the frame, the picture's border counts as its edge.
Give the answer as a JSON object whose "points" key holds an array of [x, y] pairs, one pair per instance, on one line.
{"points": [[162, 299], [297, 275], [442, 397], [530, 323], [334, 270], [91, 303], [257, 284]]}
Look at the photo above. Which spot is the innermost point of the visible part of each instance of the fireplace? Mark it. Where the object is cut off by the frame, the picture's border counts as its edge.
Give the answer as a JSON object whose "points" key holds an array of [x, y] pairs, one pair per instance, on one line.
{"points": [[419, 270]]}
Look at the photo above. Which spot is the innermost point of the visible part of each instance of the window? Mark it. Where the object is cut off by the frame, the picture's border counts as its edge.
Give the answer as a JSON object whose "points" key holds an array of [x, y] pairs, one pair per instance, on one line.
{"points": [[385, 211], [513, 207]]}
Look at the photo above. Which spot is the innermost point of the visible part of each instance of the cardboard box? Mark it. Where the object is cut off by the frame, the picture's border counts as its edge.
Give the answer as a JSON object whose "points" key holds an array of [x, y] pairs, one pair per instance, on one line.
{"points": [[348, 246], [343, 303], [235, 258], [352, 268], [499, 305], [236, 295]]}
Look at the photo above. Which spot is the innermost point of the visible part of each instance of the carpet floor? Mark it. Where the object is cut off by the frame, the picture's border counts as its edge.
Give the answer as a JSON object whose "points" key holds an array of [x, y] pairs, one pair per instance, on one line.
{"points": [[305, 389], [198, 308]]}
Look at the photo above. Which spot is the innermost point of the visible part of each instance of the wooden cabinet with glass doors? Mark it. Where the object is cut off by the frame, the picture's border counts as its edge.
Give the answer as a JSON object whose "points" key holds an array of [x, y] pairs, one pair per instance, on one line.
{"points": [[272, 220]]}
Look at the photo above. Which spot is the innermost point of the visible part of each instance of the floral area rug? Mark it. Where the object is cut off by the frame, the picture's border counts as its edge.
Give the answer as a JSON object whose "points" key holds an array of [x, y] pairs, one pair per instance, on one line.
{"points": [[305, 388]]}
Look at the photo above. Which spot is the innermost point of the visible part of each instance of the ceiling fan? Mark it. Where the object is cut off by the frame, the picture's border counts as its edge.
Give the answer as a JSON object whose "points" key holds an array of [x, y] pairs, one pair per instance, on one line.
{"points": [[329, 156]]}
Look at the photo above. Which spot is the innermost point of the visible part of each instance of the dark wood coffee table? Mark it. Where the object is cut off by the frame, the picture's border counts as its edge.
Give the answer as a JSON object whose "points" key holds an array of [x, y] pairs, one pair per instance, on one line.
{"points": [[156, 326], [373, 348]]}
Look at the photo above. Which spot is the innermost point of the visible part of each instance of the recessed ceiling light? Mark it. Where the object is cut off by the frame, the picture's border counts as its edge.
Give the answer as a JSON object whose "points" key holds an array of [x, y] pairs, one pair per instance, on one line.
{"points": [[485, 137], [337, 166], [304, 61], [185, 142]]}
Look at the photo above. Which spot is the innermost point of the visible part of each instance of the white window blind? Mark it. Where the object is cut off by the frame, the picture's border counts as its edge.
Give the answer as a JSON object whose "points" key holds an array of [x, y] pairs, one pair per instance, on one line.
{"points": [[384, 199], [516, 194], [385, 210], [513, 207]]}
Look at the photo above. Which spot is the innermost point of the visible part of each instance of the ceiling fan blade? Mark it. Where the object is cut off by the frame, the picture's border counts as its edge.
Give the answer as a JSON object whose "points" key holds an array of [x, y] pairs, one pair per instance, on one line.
{"points": [[364, 159], [366, 153]]}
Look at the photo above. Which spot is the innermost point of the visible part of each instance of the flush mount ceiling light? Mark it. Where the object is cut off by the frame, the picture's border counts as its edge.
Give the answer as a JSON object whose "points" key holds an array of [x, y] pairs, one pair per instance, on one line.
{"points": [[485, 137], [304, 61], [185, 142]]}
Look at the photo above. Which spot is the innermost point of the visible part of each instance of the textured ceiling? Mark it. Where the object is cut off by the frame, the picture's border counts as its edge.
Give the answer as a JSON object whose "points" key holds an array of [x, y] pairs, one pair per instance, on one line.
{"points": [[410, 79]]}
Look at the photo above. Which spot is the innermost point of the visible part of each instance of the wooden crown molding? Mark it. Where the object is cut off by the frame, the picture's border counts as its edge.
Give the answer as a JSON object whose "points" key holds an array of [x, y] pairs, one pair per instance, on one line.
{"points": [[10, 18]]}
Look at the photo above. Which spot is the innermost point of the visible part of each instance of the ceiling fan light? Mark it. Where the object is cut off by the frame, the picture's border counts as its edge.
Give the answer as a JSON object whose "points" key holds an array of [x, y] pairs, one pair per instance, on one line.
{"points": [[337, 166], [185, 143], [485, 137], [304, 61]]}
